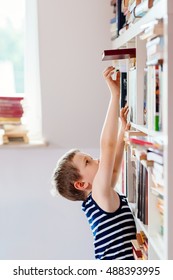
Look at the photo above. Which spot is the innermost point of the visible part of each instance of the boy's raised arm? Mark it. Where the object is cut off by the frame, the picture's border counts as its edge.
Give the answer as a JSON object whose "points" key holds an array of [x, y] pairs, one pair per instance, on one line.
{"points": [[102, 190]]}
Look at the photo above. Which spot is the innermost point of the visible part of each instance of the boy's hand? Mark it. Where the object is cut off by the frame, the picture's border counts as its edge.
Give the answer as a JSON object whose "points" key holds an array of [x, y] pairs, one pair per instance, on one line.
{"points": [[123, 116], [114, 85]]}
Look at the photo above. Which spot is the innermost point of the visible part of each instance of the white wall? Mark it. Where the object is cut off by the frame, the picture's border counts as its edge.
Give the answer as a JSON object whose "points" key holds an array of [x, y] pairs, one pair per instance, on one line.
{"points": [[34, 225], [72, 38]]}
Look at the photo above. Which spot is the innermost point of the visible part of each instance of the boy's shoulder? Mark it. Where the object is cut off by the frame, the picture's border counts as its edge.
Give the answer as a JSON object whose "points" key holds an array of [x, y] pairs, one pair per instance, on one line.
{"points": [[89, 201]]}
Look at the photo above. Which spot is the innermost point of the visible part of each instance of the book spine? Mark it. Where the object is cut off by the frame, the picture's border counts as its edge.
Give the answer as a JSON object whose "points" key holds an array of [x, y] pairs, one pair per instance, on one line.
{"points": [[123, 89], [120, 16]]}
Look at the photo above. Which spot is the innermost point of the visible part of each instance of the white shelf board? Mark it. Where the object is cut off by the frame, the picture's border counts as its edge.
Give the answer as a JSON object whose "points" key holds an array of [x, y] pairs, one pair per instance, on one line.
{"points": [[158, 134], [142, 227]]}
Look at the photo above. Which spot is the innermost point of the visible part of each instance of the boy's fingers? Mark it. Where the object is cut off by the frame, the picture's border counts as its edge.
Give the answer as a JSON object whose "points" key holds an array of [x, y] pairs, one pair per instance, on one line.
{"points": [[107, 70], [126, 112], [118, 75]]}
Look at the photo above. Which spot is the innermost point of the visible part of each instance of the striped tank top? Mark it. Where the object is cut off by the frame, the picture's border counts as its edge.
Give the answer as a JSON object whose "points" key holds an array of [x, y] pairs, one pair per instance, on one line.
{"points": [[112, 232]]}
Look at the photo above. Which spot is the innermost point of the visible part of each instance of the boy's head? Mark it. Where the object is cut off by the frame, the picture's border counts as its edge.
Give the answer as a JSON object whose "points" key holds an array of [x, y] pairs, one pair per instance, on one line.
{"points": [[74, 174]]}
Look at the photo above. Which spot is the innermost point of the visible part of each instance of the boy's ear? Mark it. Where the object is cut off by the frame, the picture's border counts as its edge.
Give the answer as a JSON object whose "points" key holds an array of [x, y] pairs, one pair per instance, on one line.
{"points": [[80, 185]]}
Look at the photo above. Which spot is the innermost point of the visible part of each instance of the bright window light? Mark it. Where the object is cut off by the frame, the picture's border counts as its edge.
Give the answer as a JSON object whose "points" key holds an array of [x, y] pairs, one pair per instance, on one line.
{"points": [[12, 29], [19, 61]]}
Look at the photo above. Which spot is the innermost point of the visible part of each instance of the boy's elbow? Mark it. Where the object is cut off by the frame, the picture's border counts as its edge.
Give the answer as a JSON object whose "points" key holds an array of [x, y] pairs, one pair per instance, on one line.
{"points": [[108, 145]]}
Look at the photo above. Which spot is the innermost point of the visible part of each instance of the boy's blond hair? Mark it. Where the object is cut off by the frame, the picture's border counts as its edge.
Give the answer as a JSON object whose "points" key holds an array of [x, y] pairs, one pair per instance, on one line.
{"points": [[64, 176]]}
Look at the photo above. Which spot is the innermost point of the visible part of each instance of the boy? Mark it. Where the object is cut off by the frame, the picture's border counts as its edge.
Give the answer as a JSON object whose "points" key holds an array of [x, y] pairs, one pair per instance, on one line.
{"points": [[80, 177]]}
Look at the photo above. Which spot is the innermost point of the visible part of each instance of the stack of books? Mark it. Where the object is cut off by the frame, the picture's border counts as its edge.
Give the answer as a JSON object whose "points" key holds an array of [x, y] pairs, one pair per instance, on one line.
{"points": [[140, 246], [11, 114]]}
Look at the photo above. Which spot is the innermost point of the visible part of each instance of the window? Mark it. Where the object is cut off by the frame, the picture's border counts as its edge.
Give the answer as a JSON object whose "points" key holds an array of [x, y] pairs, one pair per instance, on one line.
{"points": [[12, 22], [19, 59]]}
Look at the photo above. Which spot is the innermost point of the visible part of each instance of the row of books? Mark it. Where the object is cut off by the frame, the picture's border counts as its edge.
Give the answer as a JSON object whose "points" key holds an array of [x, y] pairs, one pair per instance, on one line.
{"points": [[153, 81], [135, 9], [148, 154], [11, 114], [118, 20], [153, 76], [152, 97], [127, 12]]}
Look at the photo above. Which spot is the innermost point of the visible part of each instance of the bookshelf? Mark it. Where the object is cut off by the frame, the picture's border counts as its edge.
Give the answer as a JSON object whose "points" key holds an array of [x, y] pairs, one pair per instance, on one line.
{"points": [[159, 227]]}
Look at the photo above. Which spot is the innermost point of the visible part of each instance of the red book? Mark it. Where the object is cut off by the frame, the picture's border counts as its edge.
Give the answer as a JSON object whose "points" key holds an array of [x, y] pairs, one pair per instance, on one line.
{"points": [[12, 109], [118, 54], [10, 98], [145, 141], [11, 115]]}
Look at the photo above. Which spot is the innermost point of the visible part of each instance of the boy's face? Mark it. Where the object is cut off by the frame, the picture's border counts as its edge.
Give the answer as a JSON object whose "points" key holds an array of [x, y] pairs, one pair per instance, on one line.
{"points": [[87, 166]]}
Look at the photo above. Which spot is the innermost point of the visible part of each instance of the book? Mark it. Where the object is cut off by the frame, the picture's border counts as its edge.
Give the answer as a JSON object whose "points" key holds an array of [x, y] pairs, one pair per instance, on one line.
{"points": [[155, 45], [154, 97], [123, 89], [155, 156], [120, 16], [130, 133], [4, 120], [126, 26], [155, 51], [118, 54], [156, 101], [145, 111], [139, 238], [152, 29], [124, 6], [113, 28], [146, 141], [156, 60], [161, 92], [142, 8], [132, 94], [10, 98], [11, 113], [140, 154], [136, 249], [145, 196], [139, 189], [131, 18], [133, 5]]}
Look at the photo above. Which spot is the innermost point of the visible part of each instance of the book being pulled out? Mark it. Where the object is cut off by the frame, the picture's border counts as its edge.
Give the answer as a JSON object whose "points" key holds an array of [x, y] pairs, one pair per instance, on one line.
{"points": [[147, 141]]}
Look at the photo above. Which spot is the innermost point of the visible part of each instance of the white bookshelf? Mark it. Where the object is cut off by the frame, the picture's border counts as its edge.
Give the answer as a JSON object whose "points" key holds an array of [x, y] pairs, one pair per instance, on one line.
{"points": [[159, 247]]}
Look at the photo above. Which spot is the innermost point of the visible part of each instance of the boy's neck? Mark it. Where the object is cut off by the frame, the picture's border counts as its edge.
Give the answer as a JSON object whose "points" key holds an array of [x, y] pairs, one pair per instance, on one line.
{"points": [[87, 192]]}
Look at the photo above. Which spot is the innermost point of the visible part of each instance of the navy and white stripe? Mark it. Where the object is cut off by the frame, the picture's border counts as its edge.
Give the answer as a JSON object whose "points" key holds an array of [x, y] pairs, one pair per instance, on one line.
{"points": [[112, 232]]}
